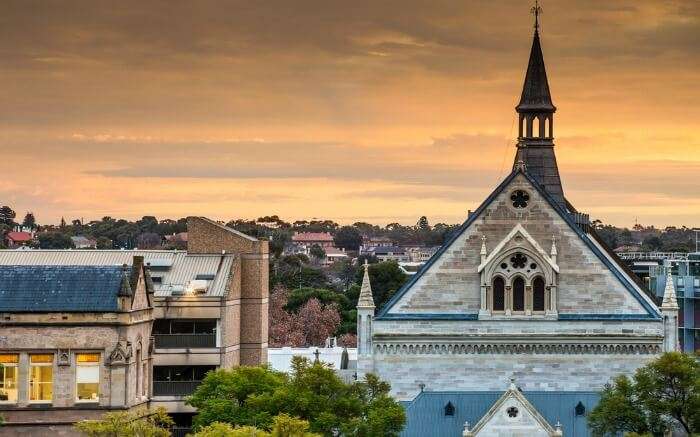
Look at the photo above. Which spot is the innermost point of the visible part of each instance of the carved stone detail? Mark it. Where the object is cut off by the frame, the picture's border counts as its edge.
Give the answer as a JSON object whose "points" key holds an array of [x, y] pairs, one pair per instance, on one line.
{"points": [[64, 357], [516, 348], [121, 354]]}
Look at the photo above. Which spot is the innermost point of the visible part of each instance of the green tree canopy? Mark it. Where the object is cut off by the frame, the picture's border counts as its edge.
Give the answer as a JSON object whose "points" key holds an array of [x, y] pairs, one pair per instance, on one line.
{"points": [[54, 240], [312, 392], [664, 393], [141, 423], [348, 238]]}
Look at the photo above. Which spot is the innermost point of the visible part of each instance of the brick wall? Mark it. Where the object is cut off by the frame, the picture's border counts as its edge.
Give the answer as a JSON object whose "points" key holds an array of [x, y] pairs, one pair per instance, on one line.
{"points": [[244, 316]]}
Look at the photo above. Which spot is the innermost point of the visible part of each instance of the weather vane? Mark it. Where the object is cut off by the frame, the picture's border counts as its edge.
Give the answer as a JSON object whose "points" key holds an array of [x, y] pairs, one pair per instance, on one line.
{"points": [[536, 11]]}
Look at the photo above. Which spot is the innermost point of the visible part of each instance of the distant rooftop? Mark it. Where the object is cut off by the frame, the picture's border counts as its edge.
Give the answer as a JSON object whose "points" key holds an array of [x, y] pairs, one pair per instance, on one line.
{"points": [[302, 237], [172, 270]]}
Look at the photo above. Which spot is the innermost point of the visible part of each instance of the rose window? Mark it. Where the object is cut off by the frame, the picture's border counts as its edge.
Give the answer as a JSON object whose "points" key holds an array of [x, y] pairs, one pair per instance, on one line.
{"points": [[512, 412], [518, 261], [520, 199]]}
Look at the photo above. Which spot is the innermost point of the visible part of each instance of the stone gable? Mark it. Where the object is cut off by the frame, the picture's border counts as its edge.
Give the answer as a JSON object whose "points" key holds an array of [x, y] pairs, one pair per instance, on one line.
{"points": [[452, 283]]}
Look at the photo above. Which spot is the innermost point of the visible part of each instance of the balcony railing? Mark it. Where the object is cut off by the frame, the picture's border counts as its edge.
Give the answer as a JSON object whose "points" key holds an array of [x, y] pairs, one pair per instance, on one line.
{"points": [[178, 341], [174, 388], [179, 431]]}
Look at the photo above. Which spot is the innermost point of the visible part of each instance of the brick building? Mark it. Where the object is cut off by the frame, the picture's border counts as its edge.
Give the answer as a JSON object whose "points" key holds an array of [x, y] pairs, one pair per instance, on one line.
{"points": [[209, 305]]}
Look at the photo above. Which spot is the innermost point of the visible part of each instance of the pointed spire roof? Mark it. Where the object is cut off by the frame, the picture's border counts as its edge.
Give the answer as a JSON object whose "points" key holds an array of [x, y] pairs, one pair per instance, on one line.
{"points": [[536, 96], [365, 300], [670, 301]]}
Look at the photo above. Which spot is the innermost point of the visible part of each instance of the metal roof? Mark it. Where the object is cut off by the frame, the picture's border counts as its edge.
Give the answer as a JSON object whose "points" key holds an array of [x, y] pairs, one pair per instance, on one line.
{"points": [[60, 288], [176, 269], [425, 415]]}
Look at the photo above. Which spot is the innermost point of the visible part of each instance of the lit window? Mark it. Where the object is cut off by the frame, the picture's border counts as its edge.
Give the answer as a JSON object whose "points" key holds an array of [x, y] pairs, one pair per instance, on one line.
{"points": [[8, 378], [87, 377], [41, 378]]}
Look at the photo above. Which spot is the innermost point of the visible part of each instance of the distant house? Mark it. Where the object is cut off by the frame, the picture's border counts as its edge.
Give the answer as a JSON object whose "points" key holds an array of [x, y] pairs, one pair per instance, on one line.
{"points": [[389, 253], [333, 254], [180, 236], [16, 239], [83, 242], [323, 239], [421, 254]]}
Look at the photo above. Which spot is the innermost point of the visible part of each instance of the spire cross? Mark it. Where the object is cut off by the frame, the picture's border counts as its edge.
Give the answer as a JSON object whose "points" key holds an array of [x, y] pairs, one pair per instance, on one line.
{"points": [[536, 11]]}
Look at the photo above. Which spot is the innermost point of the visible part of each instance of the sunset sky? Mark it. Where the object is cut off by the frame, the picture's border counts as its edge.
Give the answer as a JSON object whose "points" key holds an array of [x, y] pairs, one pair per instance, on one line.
{"points": [[378, 111]]}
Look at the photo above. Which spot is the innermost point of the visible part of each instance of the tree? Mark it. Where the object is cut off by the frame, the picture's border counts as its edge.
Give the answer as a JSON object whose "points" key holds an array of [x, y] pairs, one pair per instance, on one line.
{"points": [[664, 393], [55, 240], [29, 221], [283, 426], [141, 423], [103, 243], [308, 324], [348, 238], [311, 392], [317, 252], [148, 240], [7, 216]]}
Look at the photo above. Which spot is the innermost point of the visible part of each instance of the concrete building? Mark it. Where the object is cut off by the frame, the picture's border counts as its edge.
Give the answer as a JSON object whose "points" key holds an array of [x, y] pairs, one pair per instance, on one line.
{"points": [[74, 344], [523, 315], [209, 304], [654, 267]]}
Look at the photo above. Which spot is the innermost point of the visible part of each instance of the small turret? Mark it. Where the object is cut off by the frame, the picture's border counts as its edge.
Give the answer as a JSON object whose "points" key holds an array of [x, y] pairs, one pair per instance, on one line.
{"points": [[669, 311], [365, 315]]}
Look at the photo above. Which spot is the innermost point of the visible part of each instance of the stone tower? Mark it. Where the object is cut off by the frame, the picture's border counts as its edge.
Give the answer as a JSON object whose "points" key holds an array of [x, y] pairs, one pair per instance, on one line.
{"points": [[669, 311], [365, 316], [536, 126]]}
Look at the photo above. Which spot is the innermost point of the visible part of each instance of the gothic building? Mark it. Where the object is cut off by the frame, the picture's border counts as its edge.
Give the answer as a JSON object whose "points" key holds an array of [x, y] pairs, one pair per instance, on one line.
{"points": [[517, 322]]}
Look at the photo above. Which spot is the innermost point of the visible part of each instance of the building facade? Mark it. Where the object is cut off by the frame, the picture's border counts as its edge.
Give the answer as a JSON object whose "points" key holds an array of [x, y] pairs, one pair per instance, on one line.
{"points": [[523, 295], [209, 305], [74, 344]]}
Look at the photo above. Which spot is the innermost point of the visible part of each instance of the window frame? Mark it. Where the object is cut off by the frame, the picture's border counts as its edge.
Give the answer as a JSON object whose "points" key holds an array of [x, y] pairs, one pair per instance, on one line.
{"points": [[515, 278], [29, 378], [15, 366], [544, 295], [78, 365]]}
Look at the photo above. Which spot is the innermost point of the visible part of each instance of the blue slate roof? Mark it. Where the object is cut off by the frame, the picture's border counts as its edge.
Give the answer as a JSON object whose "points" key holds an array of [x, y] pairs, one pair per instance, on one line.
{"points": [[59, 288], [425, 415]]}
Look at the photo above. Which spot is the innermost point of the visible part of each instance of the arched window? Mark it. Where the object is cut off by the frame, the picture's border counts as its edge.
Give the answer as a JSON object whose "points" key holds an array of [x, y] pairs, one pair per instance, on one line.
{"points": [[518, 294], [547, 131], [523, 126], [538, 294], [536, 133], [499, 294]]}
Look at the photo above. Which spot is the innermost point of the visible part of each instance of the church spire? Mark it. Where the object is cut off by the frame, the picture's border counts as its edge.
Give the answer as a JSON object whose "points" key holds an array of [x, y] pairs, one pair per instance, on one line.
{"points": [[536, 122], [365, 300]]}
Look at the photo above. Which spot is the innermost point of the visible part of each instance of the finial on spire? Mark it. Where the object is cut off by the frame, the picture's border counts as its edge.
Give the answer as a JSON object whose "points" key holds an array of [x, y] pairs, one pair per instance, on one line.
{"points": [[669, 301], [365, 300], [536, 11]]}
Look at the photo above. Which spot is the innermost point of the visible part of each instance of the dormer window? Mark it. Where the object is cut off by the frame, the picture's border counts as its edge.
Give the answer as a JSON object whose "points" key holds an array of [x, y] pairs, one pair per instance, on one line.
{"points": [[449, 409]]}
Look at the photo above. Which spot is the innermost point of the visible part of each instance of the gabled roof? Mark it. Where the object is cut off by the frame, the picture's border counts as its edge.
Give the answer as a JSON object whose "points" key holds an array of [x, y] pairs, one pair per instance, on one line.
{"points": [[312, 236], [60, 288], [19, 236], [595, 246], [425, 415]]}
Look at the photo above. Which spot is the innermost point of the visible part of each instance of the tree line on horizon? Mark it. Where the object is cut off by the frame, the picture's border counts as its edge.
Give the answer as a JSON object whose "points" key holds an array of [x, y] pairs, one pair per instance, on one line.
{"points": [[149, 232]]}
